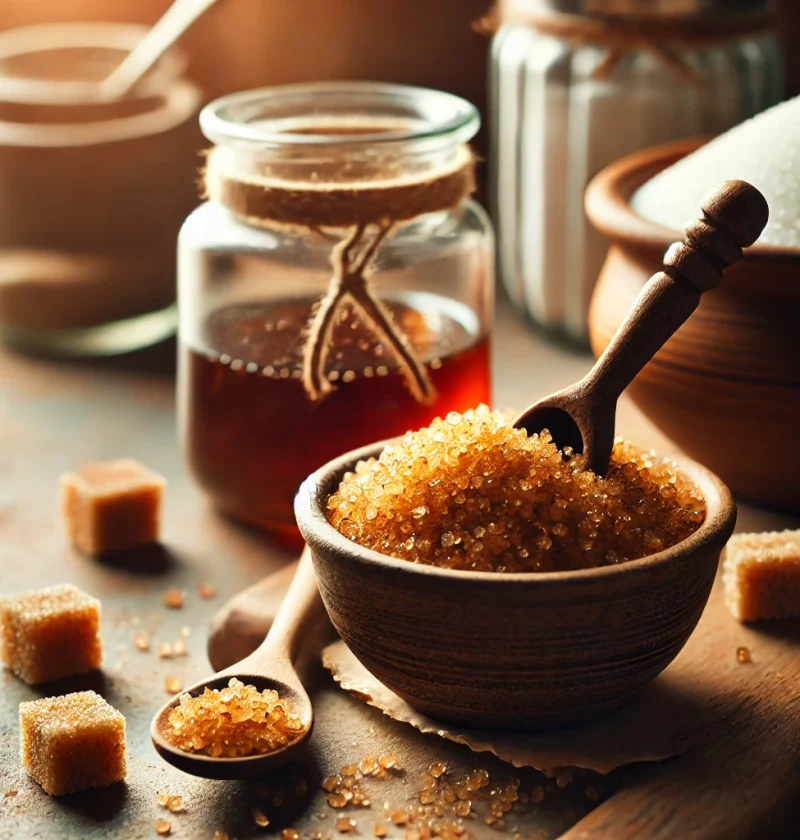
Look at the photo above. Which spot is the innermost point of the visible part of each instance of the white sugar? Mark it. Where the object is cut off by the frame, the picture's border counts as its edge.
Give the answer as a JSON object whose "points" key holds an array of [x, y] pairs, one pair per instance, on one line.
{"points": [[764, 150]]}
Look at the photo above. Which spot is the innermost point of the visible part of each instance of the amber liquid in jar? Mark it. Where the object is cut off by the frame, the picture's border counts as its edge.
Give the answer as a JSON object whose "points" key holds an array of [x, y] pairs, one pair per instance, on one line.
{"points": [[252, 434]]}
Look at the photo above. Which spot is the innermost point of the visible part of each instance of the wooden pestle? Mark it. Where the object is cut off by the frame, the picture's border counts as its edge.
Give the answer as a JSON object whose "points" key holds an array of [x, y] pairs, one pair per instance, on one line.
{"points": [[583, 416]]}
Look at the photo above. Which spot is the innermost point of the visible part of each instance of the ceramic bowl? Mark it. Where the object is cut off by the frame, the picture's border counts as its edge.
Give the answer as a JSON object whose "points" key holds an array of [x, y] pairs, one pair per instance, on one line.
{"points": [[726, 386], [512, 650]]}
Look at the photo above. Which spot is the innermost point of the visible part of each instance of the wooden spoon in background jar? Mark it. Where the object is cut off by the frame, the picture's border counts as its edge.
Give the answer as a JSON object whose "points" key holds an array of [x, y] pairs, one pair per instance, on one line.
{"points": [[583, 416], [163, 35]]}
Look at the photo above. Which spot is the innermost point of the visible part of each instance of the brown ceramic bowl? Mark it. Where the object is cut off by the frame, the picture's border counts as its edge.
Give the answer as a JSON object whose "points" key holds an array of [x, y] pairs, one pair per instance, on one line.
{"points": [[512, 650], [726, 386]]}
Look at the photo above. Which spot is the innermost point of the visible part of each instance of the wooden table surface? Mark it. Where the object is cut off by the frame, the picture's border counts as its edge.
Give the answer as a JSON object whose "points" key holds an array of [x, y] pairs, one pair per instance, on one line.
{"points": [[55, 415]]}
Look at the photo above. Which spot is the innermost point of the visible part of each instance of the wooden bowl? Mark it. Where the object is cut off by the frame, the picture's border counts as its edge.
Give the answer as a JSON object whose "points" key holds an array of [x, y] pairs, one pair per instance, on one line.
{"points": [[512, 650], [726, 386]]}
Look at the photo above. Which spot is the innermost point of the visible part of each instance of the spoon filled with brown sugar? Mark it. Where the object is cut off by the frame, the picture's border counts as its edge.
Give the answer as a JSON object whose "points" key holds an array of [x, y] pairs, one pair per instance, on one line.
{"points": [[231, 725], [582, 416]]}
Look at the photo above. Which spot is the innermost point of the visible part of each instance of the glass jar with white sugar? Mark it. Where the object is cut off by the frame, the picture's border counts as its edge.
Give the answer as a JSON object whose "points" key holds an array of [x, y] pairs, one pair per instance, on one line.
{"points": [[577, 84]]}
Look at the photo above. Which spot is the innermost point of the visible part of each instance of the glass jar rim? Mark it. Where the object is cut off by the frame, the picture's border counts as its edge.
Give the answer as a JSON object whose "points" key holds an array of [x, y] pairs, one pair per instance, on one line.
{"points": [[262, 118]]}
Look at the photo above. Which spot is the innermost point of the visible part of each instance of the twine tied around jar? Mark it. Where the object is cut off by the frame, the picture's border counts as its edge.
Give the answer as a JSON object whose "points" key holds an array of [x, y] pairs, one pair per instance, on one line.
{"points": [[368, 211], [621, 35]]}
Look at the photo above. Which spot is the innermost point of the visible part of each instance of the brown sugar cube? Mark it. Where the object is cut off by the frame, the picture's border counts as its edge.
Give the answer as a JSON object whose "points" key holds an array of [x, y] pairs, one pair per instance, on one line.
{"points": [[112, 506], [49, 634], [761, 575], [72, 742]]}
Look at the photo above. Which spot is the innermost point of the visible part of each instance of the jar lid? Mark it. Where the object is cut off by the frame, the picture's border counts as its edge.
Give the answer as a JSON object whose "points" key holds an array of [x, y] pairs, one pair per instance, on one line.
{"points": [[655, 8]]}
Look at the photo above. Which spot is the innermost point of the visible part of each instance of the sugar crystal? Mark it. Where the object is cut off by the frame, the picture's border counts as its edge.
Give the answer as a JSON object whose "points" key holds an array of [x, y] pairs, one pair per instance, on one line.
{"points": [[112, 506], [50, 633], [345, 825], [237, 721], [260, 818], [72, 742]]}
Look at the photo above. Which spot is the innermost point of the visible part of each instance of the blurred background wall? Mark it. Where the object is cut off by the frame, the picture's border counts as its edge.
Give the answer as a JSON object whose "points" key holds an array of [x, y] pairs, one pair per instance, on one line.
{"points": [[247, 43]]}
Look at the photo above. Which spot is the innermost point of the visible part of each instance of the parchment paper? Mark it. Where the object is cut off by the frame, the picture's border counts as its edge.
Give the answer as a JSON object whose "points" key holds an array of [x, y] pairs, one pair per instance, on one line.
{"points": [[659, 723]]}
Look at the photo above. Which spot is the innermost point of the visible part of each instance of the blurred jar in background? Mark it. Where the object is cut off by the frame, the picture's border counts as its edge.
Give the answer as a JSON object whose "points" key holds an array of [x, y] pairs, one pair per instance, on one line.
{"points": [[336, 289], [92, 194], [577, 84]]}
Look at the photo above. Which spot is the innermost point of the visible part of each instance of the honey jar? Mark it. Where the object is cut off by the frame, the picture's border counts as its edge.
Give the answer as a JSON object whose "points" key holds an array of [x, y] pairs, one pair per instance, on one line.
{"points": [[335, 289]]}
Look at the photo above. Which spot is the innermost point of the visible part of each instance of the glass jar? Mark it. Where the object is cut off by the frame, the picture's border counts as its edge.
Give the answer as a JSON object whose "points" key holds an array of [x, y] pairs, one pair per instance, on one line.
{"points": [[577, 84], [250, 290], [92, 193]]}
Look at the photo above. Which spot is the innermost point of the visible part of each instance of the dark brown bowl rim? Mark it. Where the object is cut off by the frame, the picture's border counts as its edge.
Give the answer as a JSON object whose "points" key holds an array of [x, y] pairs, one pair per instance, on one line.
{"points": [[607, 201], [316, 529]]}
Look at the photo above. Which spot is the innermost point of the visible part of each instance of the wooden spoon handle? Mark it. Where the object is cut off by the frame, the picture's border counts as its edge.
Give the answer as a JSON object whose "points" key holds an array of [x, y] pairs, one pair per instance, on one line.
{"points": [[733, 217], [301, 608], [241, 624]]}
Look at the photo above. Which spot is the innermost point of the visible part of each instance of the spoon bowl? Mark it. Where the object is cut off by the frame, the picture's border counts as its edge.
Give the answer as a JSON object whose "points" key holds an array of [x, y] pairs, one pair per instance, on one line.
{"points": [[269, 667]]}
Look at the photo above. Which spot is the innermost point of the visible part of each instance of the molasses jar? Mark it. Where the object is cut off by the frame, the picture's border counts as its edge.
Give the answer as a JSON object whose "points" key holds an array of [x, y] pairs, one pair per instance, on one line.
{"points": [[335, 289]]}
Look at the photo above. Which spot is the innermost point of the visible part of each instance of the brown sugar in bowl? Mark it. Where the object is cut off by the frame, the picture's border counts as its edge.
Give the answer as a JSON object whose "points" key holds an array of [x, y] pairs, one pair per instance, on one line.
{"points": [[726, 386], [533, 650]]}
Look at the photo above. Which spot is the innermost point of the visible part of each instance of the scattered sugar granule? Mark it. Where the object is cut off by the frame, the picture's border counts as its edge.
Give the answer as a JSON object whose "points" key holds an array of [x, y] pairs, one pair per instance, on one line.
{"points": [[172, 685], [173, 598], [762, 150], [206, 591], [112, 506], [761, 575], [49, 634], [72, 742], [141, 641], [260, 818], [471, 492], [437, 769], [234, 721], [369, 765]]}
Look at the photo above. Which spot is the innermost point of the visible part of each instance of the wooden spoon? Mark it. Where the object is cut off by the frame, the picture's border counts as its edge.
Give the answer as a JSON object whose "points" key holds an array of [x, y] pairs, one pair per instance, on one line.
{"points": [[163, 35], [270, 666], [583, 415]]}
